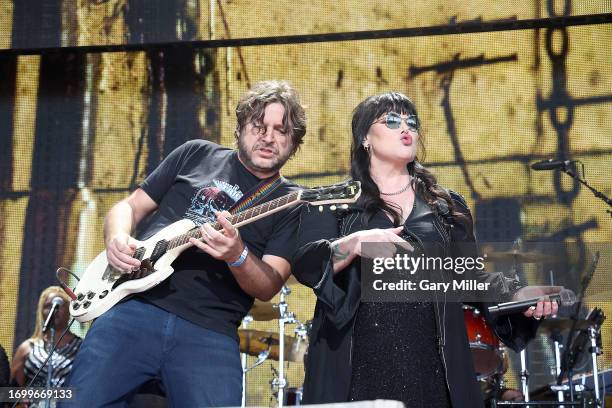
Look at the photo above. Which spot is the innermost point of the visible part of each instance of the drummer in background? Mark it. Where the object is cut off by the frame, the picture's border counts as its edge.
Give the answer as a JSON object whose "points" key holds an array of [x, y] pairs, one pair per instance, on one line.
{"points": [[32, 353], [414, 352]]}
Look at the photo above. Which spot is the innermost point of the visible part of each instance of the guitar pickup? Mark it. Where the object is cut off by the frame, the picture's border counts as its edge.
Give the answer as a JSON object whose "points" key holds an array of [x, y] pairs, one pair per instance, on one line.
{"points": [[158, 251]]}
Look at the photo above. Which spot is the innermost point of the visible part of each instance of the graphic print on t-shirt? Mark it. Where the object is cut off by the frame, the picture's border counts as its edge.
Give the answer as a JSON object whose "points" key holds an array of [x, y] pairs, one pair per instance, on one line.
{"points": [[218, 196]]}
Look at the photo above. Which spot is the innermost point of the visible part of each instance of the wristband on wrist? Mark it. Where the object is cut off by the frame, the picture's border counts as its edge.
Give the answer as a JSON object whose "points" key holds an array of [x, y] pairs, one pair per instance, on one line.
{"points": [[241, 258]]}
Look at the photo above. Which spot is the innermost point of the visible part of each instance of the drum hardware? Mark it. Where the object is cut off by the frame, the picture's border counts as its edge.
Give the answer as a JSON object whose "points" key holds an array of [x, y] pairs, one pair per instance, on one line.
{"points": [[275, 346], [292, 395], [302, 330], [564, 387], [558, 346], [254, 342], [583, 338], [588, 340], [595, 350], [577, 339], [286, 317], [243, 361], [524, 375], [261, 358]]}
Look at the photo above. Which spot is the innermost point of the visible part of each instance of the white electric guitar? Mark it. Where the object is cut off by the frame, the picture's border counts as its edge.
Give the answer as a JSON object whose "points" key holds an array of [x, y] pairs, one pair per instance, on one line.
{"points": [[101, 286]]}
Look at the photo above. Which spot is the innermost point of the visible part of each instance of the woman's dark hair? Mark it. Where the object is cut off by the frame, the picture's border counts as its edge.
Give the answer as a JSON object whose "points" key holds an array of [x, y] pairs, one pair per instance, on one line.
{"points": [[424, 182]]}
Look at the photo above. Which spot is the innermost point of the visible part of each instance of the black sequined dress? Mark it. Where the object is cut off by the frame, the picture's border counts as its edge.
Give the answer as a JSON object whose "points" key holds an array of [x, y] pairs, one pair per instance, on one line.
{"points": [[395, 355]]}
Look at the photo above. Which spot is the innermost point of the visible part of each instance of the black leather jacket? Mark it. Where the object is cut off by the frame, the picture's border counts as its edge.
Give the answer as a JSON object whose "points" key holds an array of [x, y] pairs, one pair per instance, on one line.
{"points": [[328, 365]]}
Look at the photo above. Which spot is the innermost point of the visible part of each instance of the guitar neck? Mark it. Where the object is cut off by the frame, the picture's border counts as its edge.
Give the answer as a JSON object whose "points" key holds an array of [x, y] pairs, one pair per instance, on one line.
{"points": [[242, 218]]}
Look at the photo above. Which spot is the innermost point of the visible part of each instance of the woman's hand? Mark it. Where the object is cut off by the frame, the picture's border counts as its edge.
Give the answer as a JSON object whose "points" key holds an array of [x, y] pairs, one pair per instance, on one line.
{"points": [[372, 243], [380, 243], [545, 307]]}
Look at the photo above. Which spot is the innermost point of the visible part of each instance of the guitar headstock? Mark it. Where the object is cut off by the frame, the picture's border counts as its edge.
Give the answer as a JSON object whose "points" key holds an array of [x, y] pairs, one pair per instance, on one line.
{"points": [[347, 192]]}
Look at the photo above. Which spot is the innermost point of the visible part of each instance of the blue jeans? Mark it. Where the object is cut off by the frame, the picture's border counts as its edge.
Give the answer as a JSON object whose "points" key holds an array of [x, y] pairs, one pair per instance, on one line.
{"points": [[136, 341]]}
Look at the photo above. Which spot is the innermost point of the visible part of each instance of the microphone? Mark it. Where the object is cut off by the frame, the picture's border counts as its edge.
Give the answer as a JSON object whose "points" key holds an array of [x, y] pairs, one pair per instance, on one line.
{"points": [[55, 304], [551, 164], [564, 298]]}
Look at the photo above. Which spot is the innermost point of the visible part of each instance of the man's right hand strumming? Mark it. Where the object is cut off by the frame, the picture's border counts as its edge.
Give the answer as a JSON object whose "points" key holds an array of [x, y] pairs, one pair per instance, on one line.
{"points": [[120, 250], [122, 218]]}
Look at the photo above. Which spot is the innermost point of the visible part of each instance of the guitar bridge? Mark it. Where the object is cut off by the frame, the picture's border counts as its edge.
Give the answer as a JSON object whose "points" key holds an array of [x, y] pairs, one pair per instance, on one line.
{"points": [[146, 268]]}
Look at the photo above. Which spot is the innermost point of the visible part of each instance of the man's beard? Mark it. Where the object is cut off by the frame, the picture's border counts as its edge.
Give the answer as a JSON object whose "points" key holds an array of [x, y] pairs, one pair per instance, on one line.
{"points": [[245, 155]]}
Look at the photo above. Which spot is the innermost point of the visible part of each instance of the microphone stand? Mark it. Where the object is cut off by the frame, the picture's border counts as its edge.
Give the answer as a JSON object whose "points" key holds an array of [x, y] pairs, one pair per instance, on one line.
{"points": [[570, 353], [595, 192], [50, 364], [243, 359]]}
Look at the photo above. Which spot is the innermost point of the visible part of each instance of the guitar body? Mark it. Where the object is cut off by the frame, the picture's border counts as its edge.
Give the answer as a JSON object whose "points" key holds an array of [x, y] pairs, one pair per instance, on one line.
{"points": [[102, 286]]}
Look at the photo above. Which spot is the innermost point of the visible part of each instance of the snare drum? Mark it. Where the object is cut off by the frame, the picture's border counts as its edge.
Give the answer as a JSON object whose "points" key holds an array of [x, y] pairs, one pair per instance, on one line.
{"points": [[487, 351]]}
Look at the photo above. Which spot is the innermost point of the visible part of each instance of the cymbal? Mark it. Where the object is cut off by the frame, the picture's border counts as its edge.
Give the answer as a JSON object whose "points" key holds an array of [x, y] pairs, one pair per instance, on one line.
{"points": [[555, 325], [253, 342], [518, 257], [292, 281], [264, 311]]}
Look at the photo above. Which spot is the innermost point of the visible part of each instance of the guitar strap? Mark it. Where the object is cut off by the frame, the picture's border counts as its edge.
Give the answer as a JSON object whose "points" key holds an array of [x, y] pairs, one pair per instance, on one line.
{"points": [[256, 194]]}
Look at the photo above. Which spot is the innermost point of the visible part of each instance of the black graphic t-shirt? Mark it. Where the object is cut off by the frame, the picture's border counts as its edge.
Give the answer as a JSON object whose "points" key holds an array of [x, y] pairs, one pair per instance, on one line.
{"points": [[194, 181]]}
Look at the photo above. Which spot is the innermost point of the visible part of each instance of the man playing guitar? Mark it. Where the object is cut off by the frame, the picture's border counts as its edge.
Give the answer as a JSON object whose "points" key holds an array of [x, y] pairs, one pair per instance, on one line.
{"points": [[183, 331]]}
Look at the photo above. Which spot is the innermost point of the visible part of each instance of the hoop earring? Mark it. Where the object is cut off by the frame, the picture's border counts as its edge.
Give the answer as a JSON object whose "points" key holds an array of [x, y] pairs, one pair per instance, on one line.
{"points": [[366, 147]]}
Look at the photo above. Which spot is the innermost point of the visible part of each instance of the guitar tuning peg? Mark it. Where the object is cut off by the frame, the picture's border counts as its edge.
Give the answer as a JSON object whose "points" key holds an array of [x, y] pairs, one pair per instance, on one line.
{"points": [[344, 206], [320, 208], [332, 207]]}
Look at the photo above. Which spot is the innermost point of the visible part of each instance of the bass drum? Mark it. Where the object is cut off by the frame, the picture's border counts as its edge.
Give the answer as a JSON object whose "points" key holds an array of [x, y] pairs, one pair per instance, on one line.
{"points": [[490, 359]]}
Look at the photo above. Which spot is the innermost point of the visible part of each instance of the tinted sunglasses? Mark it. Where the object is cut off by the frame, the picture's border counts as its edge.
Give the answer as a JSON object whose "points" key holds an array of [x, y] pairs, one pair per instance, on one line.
{"points": [[394, 121]]}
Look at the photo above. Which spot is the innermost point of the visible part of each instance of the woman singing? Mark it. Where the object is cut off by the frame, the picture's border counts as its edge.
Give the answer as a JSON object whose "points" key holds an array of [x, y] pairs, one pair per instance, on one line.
{"points": [[415, 352]]}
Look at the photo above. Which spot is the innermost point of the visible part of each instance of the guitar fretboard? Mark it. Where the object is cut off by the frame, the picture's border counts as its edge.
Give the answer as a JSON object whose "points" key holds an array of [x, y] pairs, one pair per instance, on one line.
{"points": [[237, 219]]}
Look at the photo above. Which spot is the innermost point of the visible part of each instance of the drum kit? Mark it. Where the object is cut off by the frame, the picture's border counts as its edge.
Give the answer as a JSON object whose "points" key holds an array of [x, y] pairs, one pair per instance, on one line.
{"points": [[491, 359], [583, 340], [274, 346]]}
